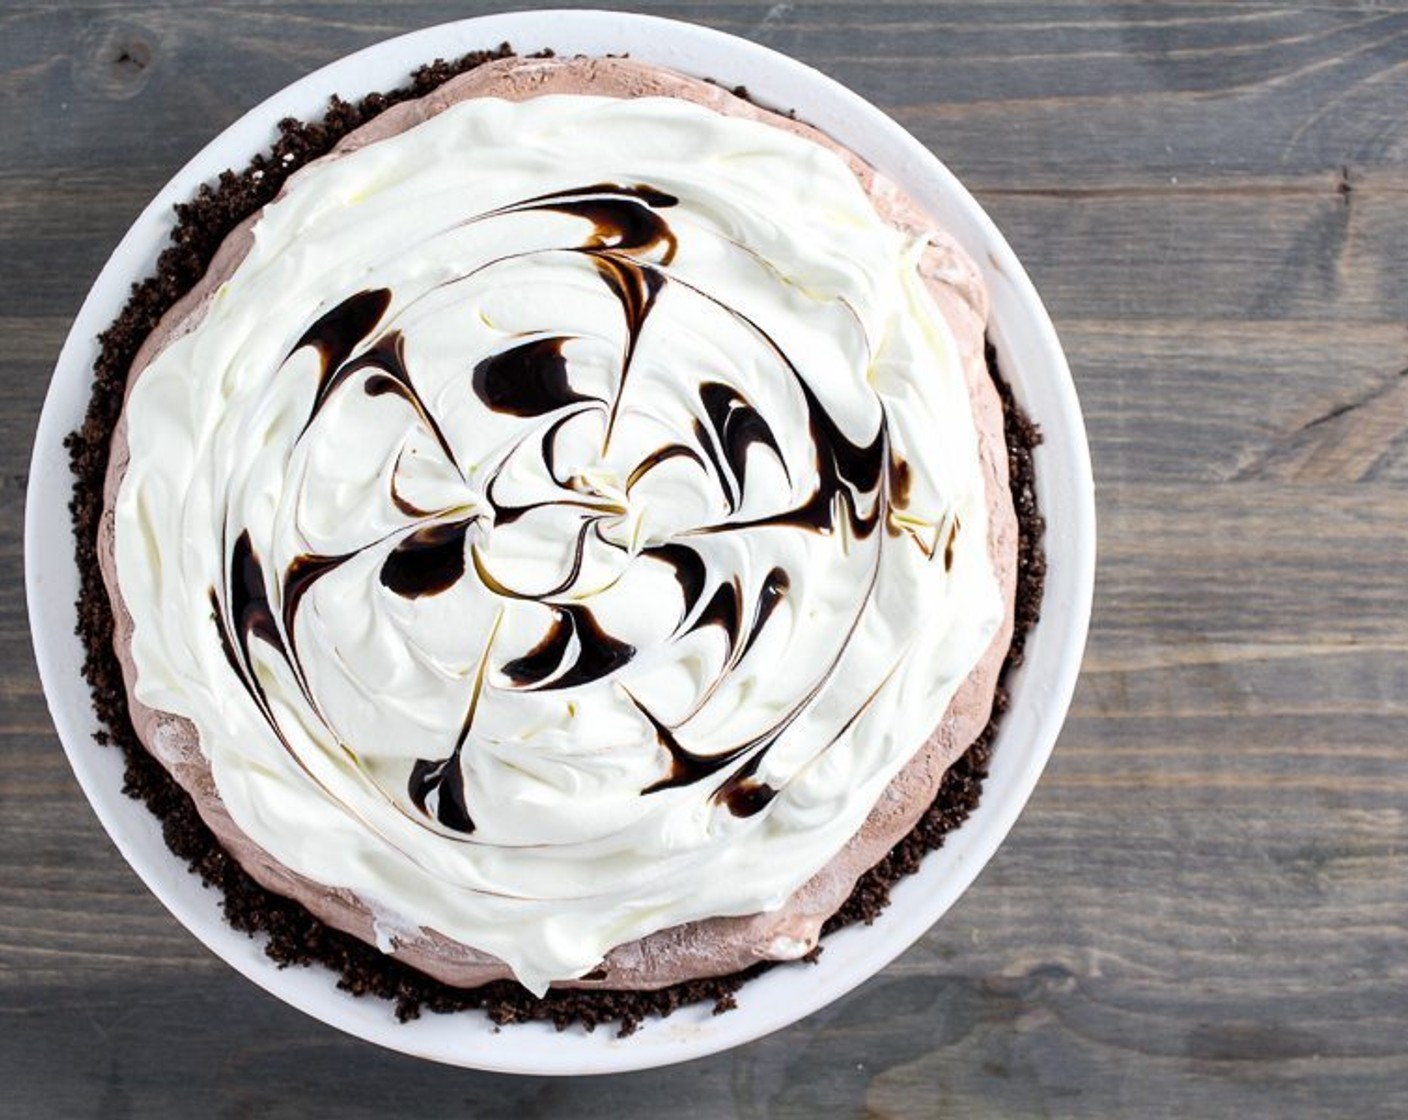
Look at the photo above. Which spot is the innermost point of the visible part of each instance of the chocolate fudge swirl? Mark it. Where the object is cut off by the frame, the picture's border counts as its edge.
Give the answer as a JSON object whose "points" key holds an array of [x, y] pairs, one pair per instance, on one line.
{"points": [[557, 547]]}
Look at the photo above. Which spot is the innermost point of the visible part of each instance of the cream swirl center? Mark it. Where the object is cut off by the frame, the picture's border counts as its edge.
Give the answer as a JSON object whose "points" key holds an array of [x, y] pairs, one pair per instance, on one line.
{"points": [[563, 524]]}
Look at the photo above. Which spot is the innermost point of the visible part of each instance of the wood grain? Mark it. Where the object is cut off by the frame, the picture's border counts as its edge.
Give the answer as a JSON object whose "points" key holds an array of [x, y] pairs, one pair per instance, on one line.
{"points": [[1204, 911]]}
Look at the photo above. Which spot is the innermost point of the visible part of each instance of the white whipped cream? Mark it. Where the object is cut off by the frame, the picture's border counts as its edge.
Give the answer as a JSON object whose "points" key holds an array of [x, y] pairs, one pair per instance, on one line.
{"points": [[577, 829]]}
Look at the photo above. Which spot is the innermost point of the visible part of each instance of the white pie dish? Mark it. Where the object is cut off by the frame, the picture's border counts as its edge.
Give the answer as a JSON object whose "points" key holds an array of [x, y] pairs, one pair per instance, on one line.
{"points": [[1030, 357]]}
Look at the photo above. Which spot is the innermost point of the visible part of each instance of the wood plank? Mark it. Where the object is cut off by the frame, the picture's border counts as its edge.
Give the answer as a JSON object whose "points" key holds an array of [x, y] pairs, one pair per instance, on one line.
{"points": [[1010, 94]]}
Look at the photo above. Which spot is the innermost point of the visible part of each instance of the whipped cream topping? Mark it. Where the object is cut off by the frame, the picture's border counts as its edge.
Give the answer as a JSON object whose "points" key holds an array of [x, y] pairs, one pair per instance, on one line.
{"points": [[562, 525]]}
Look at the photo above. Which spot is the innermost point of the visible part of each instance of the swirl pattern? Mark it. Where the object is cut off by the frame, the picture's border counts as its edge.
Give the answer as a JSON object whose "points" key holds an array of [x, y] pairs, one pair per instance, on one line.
{"points": [[595, 559]]}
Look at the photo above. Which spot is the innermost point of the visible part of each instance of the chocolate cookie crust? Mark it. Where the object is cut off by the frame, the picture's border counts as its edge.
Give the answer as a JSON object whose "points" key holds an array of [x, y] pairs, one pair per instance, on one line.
{"points": [[294, 936]]}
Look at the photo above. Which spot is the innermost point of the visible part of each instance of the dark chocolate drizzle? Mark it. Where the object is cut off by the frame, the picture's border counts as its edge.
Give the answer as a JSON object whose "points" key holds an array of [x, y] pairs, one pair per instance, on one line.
{"points": [[691, 573], [629, 244], [529, 379], [624, 218], [775, 585], [546, 667], [250, 617], [900, 481], [437, 786], [299, 579], [724, 610], [635, 286], [250, 611], [338, 333], [737, 426], [742, 794], [427, 561], [658, 456], [442, 780], [386, 359], [688, 767], [848, 474]]}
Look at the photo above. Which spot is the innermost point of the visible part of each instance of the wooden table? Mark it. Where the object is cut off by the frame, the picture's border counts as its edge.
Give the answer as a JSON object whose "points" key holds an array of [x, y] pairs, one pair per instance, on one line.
{"points": [[1204, 910]]}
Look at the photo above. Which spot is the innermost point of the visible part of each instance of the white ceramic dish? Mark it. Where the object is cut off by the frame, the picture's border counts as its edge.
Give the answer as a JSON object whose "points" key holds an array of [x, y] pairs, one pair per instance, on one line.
{"points": [[1031, 358]]}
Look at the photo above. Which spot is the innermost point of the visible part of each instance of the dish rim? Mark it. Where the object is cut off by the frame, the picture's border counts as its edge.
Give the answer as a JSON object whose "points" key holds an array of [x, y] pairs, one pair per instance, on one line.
{"points": [[1032, 361]]}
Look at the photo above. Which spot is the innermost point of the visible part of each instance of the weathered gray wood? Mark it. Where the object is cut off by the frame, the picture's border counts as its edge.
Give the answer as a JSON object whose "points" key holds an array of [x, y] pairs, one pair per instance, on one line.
{"points": [[1204, 912]]}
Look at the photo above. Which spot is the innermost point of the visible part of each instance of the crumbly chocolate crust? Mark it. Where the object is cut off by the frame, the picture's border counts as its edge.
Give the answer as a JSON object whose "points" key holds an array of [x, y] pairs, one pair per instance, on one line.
{"points": [[295, 937]]}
